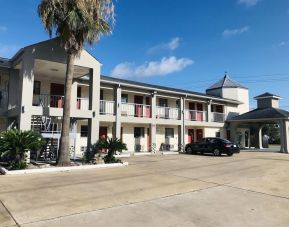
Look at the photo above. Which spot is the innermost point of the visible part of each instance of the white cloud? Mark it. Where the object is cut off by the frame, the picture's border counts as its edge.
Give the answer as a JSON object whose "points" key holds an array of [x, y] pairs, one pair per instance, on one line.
{"points": [[7, 50], [248, 3], [166, 65], [173, 44], [3, 28], [237, 31], [282, 44]]}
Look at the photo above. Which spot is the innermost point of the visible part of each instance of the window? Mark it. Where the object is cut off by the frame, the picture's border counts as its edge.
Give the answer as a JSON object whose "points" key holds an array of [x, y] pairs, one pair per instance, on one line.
{"points": [[163, 102], [124, 98], [84, 131], [36, 87], [169, 132], [138, 132], [218, 134]]}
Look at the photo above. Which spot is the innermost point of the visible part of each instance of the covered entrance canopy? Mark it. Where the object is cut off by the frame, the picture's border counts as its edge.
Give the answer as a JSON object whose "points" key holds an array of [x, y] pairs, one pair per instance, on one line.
{"points": [[267, 112]]}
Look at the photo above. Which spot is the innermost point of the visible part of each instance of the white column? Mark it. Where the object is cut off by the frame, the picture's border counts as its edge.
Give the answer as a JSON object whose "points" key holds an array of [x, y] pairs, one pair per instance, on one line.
{"points": [[153, 125], [182, 126], [284, 125], [74, 95], [117, 110], [286, 136], [209, 112], [94, 93], [260, 138], [73, 131], [27, 83]]}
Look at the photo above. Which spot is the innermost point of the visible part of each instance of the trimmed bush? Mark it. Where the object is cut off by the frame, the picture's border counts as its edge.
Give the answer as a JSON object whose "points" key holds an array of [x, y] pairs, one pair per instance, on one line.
{"points": [[15, 143]]}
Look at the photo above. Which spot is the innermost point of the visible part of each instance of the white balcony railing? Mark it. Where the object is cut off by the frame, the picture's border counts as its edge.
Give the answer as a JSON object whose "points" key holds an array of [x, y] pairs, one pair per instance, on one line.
{"points": [[168, 113], [55, 101], [195, 115], [106, 107], [82, 104], [218, 117], [135, 110]]}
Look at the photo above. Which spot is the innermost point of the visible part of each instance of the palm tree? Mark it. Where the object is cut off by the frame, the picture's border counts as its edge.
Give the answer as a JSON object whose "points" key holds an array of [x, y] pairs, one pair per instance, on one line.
{"points": [[74, 22]]}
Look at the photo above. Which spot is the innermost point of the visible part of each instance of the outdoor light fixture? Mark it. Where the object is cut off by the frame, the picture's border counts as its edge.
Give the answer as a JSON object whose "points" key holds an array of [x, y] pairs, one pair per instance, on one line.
{"points": [[93, 114], [23, 109]]}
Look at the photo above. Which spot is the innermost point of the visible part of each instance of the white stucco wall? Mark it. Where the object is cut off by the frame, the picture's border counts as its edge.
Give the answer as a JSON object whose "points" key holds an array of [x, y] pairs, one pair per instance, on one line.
{"points": [[128, 137], [160, 137]]}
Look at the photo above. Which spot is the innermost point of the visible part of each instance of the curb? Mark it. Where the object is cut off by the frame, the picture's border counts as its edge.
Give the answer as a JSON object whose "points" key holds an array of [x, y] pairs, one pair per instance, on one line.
{"points": [[65, 169]]}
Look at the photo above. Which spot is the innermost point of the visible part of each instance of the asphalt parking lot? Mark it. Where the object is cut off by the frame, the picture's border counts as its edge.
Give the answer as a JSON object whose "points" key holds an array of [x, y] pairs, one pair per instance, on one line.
{"points": [[248, 189]]}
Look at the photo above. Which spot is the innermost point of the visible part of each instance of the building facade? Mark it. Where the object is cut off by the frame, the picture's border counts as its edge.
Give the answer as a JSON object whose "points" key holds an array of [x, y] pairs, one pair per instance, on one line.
{"points": [[148, 118]]}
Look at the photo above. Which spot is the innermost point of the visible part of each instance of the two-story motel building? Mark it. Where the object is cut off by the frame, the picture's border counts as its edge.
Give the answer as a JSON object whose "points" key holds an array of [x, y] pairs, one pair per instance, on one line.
{"points": [[148, 118]]}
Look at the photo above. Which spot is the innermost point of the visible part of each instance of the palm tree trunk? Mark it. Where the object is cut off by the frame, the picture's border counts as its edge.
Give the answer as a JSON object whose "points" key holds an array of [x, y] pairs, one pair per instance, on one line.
{"points": [[64, 154]]}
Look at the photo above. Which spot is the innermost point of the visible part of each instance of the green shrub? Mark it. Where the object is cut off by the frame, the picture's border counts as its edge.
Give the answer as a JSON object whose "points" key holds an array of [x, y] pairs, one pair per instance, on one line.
{"points": [[110, 145], [15, 143]]}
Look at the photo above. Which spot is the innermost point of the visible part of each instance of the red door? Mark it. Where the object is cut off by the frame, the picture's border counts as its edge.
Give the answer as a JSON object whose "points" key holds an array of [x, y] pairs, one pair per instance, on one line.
{"points": [[148, 107], [148, 139], [191, 135], [103, 135], [199, 133], [102, 132], [192, 113], [199, 116], [138, 100], [56, 92]]}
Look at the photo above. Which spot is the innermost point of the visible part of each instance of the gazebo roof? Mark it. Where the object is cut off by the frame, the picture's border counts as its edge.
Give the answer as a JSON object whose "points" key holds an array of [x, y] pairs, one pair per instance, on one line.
{"points": [[226, 82], [267, 95], [262, 114]]}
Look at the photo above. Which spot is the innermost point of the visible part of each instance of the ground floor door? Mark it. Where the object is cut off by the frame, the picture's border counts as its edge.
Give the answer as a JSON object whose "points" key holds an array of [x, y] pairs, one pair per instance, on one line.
{"points": [[191, 135], [199, 134], [102, 132]]}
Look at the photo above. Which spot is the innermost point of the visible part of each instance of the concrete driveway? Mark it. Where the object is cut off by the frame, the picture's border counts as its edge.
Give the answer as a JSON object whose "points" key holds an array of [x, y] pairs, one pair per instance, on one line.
{"points": [[249, 189]]}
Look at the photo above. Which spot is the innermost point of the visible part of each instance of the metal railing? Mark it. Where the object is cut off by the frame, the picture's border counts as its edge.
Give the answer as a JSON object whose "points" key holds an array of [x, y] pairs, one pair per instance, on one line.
{"points": [[135, 110], [82, 104], [218, 117], [195, 115], [106, 107], [168, 113], [55, 101]]}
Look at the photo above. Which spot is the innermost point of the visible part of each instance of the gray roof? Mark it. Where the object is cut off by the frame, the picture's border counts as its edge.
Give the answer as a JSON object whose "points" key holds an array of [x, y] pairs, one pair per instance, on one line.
{"points": [[266, 95], [117, 80], [4, 62], [262, 113], [226, 82]]}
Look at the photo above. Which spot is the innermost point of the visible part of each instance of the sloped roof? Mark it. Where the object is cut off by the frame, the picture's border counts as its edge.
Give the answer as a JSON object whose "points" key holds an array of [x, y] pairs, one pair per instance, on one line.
{"points": [[226, 82], [267, 95], [262, 113], [169, 89]]}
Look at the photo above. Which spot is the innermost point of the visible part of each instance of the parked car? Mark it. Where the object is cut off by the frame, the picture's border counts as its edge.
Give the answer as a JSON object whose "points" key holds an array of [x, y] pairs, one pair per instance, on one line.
{"points": [[214, 145]]}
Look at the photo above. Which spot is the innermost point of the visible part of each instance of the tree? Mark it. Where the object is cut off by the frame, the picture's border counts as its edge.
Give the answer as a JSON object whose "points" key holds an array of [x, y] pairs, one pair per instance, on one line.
{"points": [[74, 22], [15, 143], [112, 146]]}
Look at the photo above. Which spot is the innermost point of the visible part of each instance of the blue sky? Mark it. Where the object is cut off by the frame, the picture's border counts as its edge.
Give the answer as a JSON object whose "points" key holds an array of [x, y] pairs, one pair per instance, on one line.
{"points": [[187, 44]]}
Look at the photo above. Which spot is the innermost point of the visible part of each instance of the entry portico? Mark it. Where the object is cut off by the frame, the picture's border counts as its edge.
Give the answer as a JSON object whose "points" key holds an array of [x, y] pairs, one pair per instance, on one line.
{"points": [[267, 112]]}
